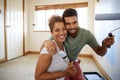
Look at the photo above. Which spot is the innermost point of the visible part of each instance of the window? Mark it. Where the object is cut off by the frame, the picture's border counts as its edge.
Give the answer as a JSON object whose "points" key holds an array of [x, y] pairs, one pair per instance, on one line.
{"points": [[43, 13]]}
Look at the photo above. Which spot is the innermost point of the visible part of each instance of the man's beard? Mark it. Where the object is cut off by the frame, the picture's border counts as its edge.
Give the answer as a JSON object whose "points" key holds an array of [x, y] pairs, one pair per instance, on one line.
{"points": [[73, 34]]}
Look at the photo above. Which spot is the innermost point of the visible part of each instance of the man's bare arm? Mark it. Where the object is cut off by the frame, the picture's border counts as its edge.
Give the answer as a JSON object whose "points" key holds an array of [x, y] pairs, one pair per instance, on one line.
{"points": [[101, 50], [50, 46]]}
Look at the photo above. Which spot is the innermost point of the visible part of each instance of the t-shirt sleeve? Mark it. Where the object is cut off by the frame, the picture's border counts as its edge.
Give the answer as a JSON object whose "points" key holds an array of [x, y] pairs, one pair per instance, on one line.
{"points": [[92, 40]]}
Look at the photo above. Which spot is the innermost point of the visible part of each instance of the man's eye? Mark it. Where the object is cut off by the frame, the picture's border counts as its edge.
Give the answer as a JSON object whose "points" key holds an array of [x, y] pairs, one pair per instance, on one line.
{"points": [[75, 22], [67, 23]]}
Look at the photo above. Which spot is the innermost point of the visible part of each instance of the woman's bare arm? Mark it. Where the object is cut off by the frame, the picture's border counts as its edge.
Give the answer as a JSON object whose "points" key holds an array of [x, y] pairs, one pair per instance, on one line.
{"points": [[42, 67]]}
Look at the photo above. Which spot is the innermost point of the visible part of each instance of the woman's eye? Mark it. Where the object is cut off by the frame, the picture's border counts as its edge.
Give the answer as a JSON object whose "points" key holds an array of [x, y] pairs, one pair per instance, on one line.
{"points": [[64, 28], [56, 30]]}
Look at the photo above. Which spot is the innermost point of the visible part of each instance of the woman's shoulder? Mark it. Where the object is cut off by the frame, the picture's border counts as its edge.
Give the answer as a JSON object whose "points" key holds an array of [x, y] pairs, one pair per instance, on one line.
{"points": [[44, 51], [44, 54]]}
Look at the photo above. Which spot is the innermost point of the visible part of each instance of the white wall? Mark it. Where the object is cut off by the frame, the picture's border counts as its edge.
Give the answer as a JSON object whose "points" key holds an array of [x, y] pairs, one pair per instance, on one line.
{"points": [[111, 60], [35, 39]]}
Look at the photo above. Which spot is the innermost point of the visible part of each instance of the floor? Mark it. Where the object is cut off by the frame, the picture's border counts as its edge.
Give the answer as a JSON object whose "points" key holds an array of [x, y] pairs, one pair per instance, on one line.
{"points": [[22, 68]]}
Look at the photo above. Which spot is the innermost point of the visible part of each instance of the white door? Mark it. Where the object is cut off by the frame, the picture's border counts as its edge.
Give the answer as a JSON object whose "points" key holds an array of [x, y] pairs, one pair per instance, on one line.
{"points": [[14, 28], [2, 47]]}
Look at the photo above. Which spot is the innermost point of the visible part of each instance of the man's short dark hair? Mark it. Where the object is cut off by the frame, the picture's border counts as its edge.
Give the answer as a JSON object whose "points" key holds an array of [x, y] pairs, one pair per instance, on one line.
{"points": [[68, 13]]}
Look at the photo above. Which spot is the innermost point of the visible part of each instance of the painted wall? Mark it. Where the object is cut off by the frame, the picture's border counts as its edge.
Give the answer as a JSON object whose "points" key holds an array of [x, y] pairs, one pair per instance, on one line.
{"points": [[35, 39], [110, 62]]}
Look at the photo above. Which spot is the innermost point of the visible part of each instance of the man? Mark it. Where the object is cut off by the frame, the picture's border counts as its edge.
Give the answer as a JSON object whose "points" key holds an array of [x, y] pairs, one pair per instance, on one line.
{"points": [[78, 37]]}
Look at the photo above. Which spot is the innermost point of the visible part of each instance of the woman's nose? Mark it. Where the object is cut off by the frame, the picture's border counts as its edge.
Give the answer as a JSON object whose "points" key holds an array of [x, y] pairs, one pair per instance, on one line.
{"points": [[62, 32]]}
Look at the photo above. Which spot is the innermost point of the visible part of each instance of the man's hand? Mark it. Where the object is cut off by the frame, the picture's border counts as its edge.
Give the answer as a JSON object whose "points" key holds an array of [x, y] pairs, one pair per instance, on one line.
{"points": [[108, 41], [101, 50], [50, 46]]}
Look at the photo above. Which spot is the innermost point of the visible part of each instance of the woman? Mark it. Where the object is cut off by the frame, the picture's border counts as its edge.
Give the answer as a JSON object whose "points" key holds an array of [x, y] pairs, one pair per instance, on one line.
{"points": [[55, 67]]}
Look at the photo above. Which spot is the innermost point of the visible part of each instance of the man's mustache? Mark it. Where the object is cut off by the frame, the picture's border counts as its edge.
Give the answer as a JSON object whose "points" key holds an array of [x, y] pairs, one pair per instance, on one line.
{"points": [[72, 29]]}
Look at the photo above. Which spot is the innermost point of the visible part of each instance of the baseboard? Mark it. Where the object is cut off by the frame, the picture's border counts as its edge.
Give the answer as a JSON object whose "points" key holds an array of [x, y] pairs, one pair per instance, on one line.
{"points": [[32, 52], [85, 55], [2, 61]]}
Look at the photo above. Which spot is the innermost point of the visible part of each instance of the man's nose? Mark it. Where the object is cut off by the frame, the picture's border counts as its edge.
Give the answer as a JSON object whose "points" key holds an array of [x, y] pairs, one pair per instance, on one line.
{"points": [[71, 25]]}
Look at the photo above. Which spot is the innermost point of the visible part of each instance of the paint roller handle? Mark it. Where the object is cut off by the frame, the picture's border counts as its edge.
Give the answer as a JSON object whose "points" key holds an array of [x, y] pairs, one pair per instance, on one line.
{"points": [[110, 35]]}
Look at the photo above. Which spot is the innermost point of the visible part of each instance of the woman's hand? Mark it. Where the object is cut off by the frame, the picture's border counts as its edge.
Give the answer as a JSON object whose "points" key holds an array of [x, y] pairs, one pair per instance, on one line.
{"points": [[71, 70]]}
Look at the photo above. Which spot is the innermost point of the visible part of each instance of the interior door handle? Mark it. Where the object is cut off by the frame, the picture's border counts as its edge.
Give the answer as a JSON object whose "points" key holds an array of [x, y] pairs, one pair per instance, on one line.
{"points": [[8, 26]]}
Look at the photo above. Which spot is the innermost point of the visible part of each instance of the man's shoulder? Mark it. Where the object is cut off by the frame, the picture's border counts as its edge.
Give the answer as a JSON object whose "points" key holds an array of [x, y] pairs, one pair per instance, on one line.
{"points": [[83, 31]]}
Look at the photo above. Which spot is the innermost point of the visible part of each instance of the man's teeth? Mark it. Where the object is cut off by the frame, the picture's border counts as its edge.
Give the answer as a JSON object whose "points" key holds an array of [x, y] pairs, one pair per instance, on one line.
{"points": [[72, 30]]}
